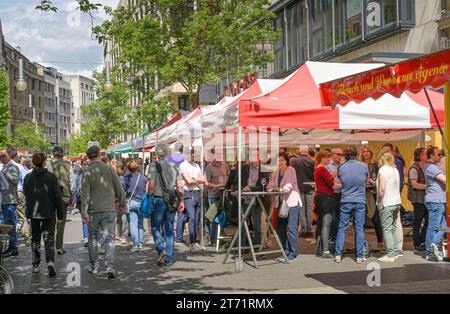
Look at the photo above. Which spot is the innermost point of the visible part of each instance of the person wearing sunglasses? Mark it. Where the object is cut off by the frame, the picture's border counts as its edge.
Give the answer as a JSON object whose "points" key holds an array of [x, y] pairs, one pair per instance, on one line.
{"points": [[336, 160], [435, 201]]}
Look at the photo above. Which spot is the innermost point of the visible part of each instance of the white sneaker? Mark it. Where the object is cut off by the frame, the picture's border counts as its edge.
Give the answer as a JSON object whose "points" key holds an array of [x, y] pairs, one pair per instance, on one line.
{"points": [[36, 269], [135, 249], [338, 259], [141, 246], [196, 248], [435, 251], [387, 259]]}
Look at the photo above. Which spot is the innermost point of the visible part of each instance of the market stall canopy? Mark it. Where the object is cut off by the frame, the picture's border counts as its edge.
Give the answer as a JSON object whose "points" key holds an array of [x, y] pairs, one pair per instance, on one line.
{"points": [[297, 104], [122, 148], [412, 75], [192, 124]]}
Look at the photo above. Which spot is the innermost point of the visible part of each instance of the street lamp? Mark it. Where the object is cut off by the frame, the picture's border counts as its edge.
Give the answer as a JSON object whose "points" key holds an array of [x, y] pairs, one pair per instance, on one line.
{"points": [[30, 105], [108, 86], [21, 83]]}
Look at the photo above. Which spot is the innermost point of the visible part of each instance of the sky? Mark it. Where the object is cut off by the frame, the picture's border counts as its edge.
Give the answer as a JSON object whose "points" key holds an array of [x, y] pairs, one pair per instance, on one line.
{"points": [[61, 40]]}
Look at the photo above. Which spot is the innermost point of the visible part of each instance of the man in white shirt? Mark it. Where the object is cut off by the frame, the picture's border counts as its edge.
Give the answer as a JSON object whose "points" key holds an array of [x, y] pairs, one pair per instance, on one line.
{"points": [[193, 178]]}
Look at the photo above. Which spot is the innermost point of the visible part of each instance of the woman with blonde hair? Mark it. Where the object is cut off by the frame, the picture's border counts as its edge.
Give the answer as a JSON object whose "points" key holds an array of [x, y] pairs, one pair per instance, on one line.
{"points": [[366, 156], [324, 203], [389, 201]]}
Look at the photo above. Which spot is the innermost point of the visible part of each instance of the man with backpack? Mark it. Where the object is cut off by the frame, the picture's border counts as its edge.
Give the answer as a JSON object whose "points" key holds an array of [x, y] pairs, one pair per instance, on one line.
{"points": [[162, 177], [61, 168]]}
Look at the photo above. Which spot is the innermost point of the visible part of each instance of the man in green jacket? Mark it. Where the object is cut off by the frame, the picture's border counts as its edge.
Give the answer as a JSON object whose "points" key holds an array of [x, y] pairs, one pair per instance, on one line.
{"points": [[61, 169], [99, 188]]}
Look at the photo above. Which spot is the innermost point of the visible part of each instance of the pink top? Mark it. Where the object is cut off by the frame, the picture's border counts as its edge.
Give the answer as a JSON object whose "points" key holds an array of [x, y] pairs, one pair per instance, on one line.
{"points": [[288, 185]]}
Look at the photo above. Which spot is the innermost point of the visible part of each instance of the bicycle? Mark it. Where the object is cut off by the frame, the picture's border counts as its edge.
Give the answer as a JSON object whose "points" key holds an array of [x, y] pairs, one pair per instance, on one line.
{"points": [[6, 282]]}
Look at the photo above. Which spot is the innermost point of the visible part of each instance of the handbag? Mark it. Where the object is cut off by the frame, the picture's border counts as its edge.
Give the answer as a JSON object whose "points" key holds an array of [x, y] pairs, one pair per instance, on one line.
{"points": [[146, 207], [132, 194], [283, 212], [172, 196]]}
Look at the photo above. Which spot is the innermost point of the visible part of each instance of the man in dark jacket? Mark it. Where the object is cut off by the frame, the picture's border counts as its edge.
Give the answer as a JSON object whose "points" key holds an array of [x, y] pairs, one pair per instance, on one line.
{"points": [[252, 174], [304, 167], [61, 169], [44, 204]]}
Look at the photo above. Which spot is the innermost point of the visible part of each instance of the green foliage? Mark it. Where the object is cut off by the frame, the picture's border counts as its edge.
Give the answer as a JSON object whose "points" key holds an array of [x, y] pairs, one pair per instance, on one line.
{"points": [[178, 43], [26, 137], [110, 115], [4, 106], [78, 144], [83, 5]]}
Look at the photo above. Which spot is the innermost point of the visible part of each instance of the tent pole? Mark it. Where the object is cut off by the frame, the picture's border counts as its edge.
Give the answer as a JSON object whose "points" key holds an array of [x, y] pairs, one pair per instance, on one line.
{"points": [[437, 120], [202, 202], [447, 162], [239, 262]]}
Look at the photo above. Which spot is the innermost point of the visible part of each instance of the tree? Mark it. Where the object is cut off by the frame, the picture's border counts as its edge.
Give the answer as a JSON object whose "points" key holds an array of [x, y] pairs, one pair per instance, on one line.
{"points": [[78, 144], [110, 115], [84, 6], [4, 106], [190, 42], [28, 138]]}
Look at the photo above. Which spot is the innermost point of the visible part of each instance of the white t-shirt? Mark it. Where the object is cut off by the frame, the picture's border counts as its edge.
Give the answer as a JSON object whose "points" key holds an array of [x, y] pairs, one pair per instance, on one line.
{"points": [[392, 182], [194, 171]]}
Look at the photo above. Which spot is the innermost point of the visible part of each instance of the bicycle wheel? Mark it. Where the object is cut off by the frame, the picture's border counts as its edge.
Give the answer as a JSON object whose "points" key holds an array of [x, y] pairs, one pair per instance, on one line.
{"points": [[6, 282]]}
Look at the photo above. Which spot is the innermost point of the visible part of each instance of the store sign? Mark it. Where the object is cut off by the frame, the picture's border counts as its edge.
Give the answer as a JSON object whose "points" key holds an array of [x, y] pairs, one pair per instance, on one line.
{"points": [[411, 75], [239, 86]]}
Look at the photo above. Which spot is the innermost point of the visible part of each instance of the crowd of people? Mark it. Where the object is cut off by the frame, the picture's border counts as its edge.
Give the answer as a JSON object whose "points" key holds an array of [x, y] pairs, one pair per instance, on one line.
{"points": [[340, 186]]}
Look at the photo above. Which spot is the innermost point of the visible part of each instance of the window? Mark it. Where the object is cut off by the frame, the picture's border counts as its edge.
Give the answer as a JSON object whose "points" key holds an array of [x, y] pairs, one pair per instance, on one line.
{"points": [[348, 19], [278, 47], [183, 103], [296, 33]]}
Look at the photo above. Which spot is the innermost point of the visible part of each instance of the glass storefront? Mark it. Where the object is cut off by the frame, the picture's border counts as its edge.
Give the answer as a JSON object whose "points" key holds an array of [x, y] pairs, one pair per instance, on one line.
{"points": [[334, 26]]}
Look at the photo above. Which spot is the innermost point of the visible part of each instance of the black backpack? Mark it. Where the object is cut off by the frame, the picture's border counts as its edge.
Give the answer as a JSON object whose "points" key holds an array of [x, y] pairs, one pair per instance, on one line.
{"points": [[171, 195]]}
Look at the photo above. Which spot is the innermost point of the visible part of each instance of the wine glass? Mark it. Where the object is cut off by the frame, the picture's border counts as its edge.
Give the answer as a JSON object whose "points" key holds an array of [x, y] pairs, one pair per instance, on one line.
{"points": [[263, 182]]}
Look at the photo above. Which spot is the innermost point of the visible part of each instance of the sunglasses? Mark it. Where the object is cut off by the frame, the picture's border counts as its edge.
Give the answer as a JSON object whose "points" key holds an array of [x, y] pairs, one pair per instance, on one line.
{"points": [[338, 154]]}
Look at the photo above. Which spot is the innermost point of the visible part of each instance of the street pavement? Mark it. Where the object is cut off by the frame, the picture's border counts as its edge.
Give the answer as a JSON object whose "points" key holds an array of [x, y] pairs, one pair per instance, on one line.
{"points": [[205, 272]]}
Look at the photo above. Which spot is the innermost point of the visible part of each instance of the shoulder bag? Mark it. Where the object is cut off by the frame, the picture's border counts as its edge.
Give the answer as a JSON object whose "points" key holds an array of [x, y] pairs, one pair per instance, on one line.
{"points": [[132, 194], [171, 195]]}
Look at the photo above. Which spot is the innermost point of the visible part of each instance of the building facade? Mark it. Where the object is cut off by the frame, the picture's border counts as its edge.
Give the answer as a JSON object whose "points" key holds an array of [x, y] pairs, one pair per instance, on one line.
{"points": [[57, 107], [83, 93], [353, 31], [28, 105]]}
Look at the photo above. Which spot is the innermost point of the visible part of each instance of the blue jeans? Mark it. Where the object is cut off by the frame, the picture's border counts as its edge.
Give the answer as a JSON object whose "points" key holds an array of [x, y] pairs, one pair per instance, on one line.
{"points": [[436, 220], [9, 217], [288, 232], [161, 216], [192, 204], [347, 209], [136, 223], [306, 214], [212, 226], [102, 225], [180, 225]]}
